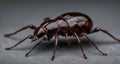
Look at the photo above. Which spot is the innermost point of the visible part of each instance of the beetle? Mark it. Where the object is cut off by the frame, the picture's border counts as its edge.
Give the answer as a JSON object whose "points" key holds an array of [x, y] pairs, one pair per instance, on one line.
{"points": [[68, 24]]}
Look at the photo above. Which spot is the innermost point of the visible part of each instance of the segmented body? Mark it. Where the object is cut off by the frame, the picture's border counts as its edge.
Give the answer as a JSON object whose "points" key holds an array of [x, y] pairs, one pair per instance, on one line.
{"points": [[67, 23]]}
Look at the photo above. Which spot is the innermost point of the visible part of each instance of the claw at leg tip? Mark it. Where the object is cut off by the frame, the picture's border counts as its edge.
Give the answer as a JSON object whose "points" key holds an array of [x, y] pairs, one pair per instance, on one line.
{"points": [[118, 40], [26, 55], [6, 35], [7, 48], [105, 54], [85, 58], [53, 57]]}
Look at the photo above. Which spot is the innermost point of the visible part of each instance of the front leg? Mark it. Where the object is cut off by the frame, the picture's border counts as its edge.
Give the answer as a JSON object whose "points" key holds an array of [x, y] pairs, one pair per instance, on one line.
{"points": [[29, 36], [23, 28]]}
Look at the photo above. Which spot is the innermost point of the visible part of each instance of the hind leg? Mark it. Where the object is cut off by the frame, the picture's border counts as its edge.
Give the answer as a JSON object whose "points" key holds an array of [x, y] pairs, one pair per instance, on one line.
{"points": [[106, 32], [91, 42]]}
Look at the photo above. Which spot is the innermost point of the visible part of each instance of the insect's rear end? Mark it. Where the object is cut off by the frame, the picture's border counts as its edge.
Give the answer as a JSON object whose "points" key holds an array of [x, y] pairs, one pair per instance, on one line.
{"points": [[68, 24]]}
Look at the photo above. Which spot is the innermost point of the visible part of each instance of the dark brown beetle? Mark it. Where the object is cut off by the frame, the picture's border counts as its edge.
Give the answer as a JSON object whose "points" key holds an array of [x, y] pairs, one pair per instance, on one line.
{"points": [[68, 24]]}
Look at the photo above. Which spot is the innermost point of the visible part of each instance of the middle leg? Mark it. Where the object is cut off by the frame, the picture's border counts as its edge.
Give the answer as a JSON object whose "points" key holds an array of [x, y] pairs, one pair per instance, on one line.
{"points": [[68, 41], [79, 42], [34, 47]]}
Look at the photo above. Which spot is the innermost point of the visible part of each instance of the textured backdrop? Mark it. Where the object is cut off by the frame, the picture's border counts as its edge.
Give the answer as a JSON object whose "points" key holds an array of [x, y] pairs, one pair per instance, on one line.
{"points": [[15, 14]]}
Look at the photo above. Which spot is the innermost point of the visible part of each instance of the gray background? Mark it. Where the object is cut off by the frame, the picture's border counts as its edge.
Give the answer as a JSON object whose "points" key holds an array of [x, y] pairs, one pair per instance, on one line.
{"points": [[15, 14]]}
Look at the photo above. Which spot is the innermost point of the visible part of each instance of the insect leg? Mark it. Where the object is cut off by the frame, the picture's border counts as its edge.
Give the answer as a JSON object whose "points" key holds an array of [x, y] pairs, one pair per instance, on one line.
{"points": [[79, 42], [99, 29], [29, 36], [91, 42], [56, 46], [56, 43], [66, 35], [28, 26], [34, 47], [68, 28]]}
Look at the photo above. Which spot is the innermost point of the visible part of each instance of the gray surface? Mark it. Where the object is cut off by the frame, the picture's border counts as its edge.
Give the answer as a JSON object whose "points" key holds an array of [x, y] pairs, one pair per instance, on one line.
{"points": [[15, 14]]}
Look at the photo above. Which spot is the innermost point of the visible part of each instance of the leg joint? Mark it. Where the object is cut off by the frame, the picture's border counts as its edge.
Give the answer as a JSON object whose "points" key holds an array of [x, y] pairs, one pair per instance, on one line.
{"points": [[99, 29]]}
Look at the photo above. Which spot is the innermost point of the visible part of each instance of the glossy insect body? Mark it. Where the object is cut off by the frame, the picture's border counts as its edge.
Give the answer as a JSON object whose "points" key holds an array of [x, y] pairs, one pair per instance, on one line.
{"points": [[68, 24]]}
